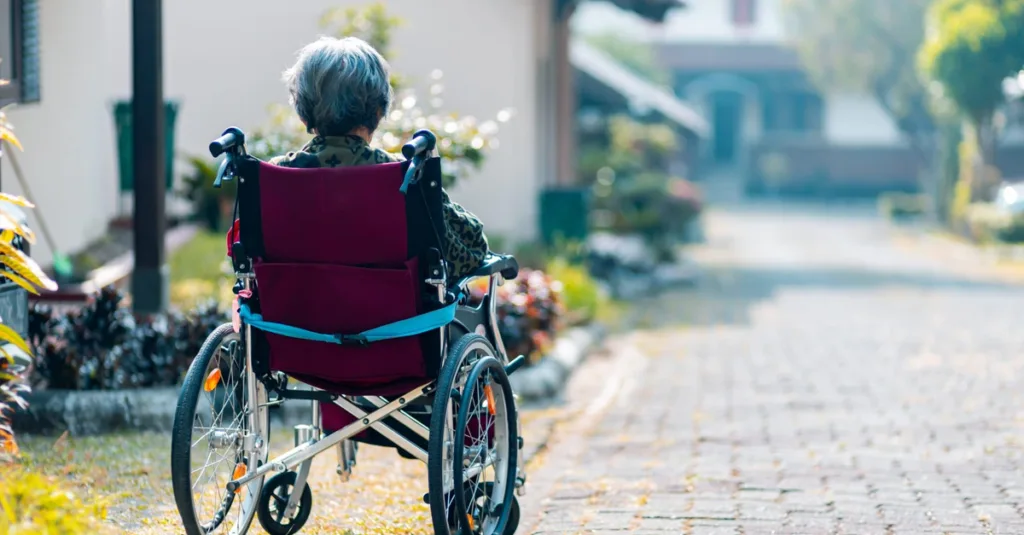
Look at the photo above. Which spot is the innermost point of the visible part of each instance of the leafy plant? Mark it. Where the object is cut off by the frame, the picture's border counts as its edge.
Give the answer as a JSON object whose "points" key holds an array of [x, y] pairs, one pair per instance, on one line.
{"points": [[103, 347], [974, 46], [584, 300], [530, 312], [31, 503], [633, 192], [899, 206], [209, 203], [19, 269]]}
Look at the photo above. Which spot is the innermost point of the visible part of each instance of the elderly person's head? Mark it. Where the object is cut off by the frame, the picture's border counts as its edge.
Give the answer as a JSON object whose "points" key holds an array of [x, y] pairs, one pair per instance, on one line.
{"points": [[340, 87]]}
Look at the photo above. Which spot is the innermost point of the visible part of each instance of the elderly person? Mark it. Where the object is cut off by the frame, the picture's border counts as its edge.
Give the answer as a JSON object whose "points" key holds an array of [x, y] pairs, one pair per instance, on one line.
{"points": [[340, 89]]}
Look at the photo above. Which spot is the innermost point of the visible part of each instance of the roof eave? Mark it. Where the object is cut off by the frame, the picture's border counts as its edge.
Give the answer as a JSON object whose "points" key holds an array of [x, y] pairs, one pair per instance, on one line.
{"points": [[652, 10]]}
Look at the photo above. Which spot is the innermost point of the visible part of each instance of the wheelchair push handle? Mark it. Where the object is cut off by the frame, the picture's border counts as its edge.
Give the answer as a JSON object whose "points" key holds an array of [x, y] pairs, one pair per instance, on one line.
{"points": [[422, 141], [232, 137]]}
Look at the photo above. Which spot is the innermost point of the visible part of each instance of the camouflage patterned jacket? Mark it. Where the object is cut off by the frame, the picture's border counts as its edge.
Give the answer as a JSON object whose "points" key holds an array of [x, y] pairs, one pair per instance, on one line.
{"points": [[466, 243]]}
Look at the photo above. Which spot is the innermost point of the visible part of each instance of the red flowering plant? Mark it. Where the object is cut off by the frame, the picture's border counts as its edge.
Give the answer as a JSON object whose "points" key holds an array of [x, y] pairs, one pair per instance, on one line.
{"points": [[530, 312]]}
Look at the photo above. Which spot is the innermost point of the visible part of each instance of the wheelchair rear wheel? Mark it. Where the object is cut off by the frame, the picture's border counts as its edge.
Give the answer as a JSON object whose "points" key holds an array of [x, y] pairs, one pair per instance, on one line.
{"points": [[454, 390], [485, 458], [219, 434]]}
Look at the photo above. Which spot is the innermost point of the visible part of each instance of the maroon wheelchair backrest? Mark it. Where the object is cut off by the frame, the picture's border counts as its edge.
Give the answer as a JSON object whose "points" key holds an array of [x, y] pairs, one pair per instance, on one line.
{"points": [[349, 216], [352, 216], [340, 251]]}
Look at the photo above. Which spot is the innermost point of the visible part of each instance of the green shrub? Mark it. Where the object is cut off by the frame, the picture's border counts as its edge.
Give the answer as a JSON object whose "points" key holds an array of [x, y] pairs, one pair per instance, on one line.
{"points": [[899, 206], [584, 299], [210, 205], [32, 504], [986, 223]]}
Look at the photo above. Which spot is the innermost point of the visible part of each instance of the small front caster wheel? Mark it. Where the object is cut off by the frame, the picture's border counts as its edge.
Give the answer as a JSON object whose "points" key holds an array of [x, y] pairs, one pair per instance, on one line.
{"points": [[274, 501]]}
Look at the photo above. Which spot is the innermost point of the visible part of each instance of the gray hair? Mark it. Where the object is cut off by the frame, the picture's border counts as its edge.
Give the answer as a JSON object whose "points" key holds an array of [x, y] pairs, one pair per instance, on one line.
{"points": [[338, 85]]}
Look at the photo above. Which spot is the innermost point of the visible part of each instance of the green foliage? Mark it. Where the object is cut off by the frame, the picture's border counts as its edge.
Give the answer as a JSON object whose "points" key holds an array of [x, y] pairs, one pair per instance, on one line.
{"points": [[17, 268], [208, 203], [987, 224], [12, 387], [975, 45], [897, 206], [869, 47], [632, 190], [33, 504], [199, 270], [636, 56], [583, 298]]}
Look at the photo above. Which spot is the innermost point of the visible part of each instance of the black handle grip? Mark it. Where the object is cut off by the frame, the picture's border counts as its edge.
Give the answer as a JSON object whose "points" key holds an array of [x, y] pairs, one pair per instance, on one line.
{"points": [[422, 141], [232, 137]]}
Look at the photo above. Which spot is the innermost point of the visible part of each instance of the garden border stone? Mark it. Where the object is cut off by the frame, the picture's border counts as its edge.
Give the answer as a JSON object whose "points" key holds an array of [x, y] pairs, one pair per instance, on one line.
{"points": [[545, 380], [93, 412]]}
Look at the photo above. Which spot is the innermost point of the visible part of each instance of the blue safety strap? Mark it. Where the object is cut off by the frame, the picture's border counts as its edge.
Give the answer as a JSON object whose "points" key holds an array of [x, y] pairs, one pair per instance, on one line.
{"points": [[435, 319]]}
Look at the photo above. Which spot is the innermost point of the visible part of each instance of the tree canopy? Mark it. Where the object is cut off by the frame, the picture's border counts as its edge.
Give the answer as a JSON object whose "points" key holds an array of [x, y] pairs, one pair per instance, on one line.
{"points": [[866, 46], [972, 47]]}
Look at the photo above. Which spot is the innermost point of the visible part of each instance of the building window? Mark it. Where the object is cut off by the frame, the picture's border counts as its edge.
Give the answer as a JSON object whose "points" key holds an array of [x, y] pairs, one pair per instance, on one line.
{"points": [[789, 112], [807, 112], [744, 12], [19, 50]]}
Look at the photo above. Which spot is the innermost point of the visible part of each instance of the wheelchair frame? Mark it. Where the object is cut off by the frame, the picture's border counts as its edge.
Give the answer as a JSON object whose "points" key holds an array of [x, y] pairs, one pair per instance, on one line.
{"points": [[311, 444], [309, 438]]}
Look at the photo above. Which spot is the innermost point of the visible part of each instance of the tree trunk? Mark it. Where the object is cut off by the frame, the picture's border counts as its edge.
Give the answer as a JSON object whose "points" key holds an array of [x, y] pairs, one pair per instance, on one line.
{"points": [[986, 173], [947, 169]]}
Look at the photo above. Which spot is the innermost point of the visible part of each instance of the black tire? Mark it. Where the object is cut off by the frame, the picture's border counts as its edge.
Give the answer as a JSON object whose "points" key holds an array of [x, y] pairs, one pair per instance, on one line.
{"points": [[513, 518], [461, 353], [491, 368], [181, 448], [513, 515], [279, 488]]}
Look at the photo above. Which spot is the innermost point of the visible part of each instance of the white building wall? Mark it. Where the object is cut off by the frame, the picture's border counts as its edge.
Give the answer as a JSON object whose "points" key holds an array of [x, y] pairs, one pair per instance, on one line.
{"points": [[858, 120], [702, 21], [223, 61]]}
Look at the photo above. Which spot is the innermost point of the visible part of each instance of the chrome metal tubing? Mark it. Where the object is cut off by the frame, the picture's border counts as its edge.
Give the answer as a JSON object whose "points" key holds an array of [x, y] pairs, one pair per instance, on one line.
{"points": [[412, 423], [297, 455], [385, 430]]}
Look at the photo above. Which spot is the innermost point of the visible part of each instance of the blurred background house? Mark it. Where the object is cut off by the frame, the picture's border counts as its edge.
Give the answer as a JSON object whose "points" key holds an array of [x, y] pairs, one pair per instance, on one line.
{"points": [[769, 125]]}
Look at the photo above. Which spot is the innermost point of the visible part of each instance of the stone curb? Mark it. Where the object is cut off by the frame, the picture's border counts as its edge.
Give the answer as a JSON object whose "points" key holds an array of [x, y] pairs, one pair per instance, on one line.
{"points": [[93, 412], [83, 413], [545, 379]]}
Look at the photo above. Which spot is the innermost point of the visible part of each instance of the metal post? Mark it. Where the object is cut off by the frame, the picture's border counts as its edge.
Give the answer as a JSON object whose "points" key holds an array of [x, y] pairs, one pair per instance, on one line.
{"points": [[150, 278]]}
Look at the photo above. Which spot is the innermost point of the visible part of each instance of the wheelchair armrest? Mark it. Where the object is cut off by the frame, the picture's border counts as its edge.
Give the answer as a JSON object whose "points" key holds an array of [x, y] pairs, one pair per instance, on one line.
{"points": [[494, 263]]}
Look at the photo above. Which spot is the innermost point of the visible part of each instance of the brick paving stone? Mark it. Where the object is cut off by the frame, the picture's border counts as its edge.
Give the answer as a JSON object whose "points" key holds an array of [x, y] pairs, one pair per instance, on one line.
{"points": [[713, 530], [820, 379]]}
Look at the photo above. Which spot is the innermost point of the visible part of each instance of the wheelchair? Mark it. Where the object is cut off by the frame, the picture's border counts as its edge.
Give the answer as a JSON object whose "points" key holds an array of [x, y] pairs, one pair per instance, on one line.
{"points": [[344, 302]]}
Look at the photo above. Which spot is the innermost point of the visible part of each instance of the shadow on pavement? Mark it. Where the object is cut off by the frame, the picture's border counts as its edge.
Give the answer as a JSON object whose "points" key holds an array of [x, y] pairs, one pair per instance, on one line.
{"points": [[725, 295]]}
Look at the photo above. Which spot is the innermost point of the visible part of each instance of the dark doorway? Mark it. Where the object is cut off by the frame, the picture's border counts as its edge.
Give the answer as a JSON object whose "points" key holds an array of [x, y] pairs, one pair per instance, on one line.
{"points": [[727, 114]]}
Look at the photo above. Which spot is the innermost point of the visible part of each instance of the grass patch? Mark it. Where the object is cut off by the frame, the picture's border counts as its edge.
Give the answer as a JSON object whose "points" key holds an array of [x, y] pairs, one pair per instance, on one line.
{"points": [[200, 271]]}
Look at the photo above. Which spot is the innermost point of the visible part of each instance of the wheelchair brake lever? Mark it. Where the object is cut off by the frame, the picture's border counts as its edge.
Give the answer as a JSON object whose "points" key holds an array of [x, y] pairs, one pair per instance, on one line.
{"points": [[224, 172]]}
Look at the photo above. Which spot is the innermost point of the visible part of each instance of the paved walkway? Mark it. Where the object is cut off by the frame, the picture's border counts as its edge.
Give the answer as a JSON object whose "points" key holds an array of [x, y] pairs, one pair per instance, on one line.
{"points": [[820, 380]]}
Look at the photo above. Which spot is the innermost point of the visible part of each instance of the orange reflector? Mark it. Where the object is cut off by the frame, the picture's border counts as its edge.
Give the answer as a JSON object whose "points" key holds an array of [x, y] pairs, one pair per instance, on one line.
{"points": [[490, 399], [469, 520], [212, 380], [239, 472]]}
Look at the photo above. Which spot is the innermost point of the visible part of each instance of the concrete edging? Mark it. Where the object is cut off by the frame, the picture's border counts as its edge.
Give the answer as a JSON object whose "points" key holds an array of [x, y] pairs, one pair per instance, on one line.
{"points": [[93, 412], [545, 379]]}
